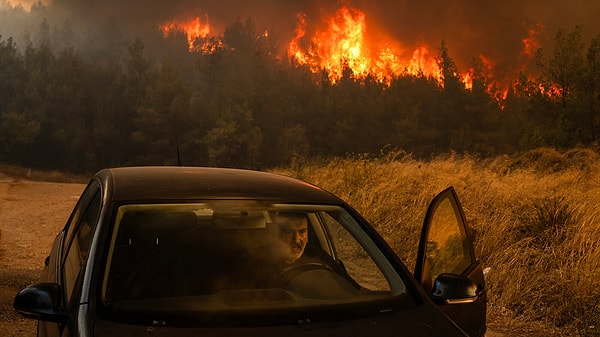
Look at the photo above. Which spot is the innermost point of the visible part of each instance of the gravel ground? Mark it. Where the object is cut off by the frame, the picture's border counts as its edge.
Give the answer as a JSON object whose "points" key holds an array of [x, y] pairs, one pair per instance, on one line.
{"points": [[31, 214]]}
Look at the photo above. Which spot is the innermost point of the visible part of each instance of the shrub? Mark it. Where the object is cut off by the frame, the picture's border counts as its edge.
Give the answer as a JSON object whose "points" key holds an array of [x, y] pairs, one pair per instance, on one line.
{"points": [[581, 158], [545, 223], [542, 160]]}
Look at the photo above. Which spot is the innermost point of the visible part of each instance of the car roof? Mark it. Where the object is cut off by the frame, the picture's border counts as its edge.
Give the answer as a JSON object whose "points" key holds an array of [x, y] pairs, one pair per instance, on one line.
{"points": [[149, 183]]}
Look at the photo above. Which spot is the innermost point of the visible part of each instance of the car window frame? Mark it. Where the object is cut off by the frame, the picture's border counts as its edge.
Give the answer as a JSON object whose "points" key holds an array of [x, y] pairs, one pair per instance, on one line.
{"points": [[91, 195]]}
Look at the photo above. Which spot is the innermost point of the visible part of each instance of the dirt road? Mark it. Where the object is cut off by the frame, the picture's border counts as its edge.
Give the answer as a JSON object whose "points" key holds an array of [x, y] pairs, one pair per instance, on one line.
{"points": [[31, 213]]}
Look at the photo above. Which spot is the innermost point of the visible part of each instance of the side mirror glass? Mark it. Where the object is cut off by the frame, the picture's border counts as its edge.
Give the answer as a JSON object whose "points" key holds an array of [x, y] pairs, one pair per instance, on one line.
{"points": [[454, 289], [41, 301]]}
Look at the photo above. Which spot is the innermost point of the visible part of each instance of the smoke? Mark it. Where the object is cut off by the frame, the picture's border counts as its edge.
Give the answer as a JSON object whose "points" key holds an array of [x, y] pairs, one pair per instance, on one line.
{"points": [[470, 28], [272, 14], [492, 29]]}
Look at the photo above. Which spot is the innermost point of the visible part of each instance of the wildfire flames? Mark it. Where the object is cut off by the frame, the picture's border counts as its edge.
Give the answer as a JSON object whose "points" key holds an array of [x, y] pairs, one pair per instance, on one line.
{"points": [[341, 43], [194, 29], [530, 43]]}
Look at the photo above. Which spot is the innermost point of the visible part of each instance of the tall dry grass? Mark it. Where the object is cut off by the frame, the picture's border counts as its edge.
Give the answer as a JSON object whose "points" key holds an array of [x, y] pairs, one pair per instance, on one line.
{"points": [[535, 220]]}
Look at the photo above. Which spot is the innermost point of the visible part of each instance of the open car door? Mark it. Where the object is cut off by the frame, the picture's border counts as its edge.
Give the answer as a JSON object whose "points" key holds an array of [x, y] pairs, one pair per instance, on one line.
{"points": [[446, 265]]}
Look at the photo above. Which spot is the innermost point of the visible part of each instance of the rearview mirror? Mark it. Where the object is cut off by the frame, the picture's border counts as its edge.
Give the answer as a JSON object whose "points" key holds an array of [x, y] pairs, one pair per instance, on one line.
{"points": [[41, 301], [454, 289]]}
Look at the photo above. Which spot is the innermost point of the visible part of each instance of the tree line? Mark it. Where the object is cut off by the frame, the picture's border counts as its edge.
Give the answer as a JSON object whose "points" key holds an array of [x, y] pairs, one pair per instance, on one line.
{"points": [[153, 102]]}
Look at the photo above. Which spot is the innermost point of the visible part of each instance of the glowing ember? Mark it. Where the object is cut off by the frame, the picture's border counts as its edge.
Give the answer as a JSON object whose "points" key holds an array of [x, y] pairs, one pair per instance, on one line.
{"points": [[467, 79]]}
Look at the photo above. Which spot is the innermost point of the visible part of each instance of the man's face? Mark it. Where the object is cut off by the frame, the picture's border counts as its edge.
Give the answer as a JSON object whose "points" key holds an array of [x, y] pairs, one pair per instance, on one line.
{"points": [[293, 232]]}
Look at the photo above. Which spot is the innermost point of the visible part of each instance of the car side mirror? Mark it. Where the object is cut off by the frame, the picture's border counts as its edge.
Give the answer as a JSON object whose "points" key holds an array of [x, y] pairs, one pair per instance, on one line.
{"points": [[454, 289], [41, 301]]}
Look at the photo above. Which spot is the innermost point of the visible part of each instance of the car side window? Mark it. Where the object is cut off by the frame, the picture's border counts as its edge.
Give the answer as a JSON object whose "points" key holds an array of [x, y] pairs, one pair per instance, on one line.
{"points": [[355, 259], [81, 231], [83, 203]]}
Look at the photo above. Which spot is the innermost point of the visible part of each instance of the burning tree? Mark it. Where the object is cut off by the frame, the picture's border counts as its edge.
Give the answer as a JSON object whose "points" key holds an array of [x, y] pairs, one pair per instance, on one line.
{"points": [[566, 97]]}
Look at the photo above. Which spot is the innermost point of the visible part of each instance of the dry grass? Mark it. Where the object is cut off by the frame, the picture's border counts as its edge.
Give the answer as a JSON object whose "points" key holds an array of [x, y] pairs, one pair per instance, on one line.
{"points": [[535, 218]]}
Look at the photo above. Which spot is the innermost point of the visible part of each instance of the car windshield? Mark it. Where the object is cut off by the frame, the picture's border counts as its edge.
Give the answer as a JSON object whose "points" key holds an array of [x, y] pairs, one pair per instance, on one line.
{"points": [[226, 261]]}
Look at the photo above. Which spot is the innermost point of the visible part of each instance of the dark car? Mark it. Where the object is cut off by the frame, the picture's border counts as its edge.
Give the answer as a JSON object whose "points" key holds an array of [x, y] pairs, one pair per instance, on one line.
{"points": [[185, 251]]}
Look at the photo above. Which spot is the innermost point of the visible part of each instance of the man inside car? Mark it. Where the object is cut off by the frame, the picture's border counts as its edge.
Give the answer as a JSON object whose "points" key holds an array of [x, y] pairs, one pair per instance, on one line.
{"points": [[293, 236]]}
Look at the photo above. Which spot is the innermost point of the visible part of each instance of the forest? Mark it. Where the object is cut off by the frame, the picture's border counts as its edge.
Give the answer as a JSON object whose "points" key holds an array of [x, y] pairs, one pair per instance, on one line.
{"points": [[236, 102]]}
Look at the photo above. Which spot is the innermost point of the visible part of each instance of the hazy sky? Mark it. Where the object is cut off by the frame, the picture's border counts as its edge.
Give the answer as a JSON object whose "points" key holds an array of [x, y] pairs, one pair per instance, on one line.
{"points": [[494, 29]]}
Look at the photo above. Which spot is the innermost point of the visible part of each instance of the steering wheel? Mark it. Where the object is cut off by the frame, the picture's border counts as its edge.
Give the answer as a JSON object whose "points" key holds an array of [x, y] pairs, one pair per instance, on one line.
{"points": [[291, 272]]}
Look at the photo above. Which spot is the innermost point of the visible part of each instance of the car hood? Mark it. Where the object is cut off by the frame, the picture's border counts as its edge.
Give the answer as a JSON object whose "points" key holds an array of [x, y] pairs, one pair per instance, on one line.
{"points": [[424, 320]]}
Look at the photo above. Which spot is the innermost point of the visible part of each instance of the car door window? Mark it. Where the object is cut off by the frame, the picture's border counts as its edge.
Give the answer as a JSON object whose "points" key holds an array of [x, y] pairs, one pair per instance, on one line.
{"points": [[79, 241], [447, 248]]}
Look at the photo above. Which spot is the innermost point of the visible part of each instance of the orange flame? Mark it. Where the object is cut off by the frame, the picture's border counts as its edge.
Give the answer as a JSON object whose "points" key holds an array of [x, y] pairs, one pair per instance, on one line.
{"points": [[194, 29], [423, 63], [340, 46], [343, 44], [467, 79], [531, 42]]}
